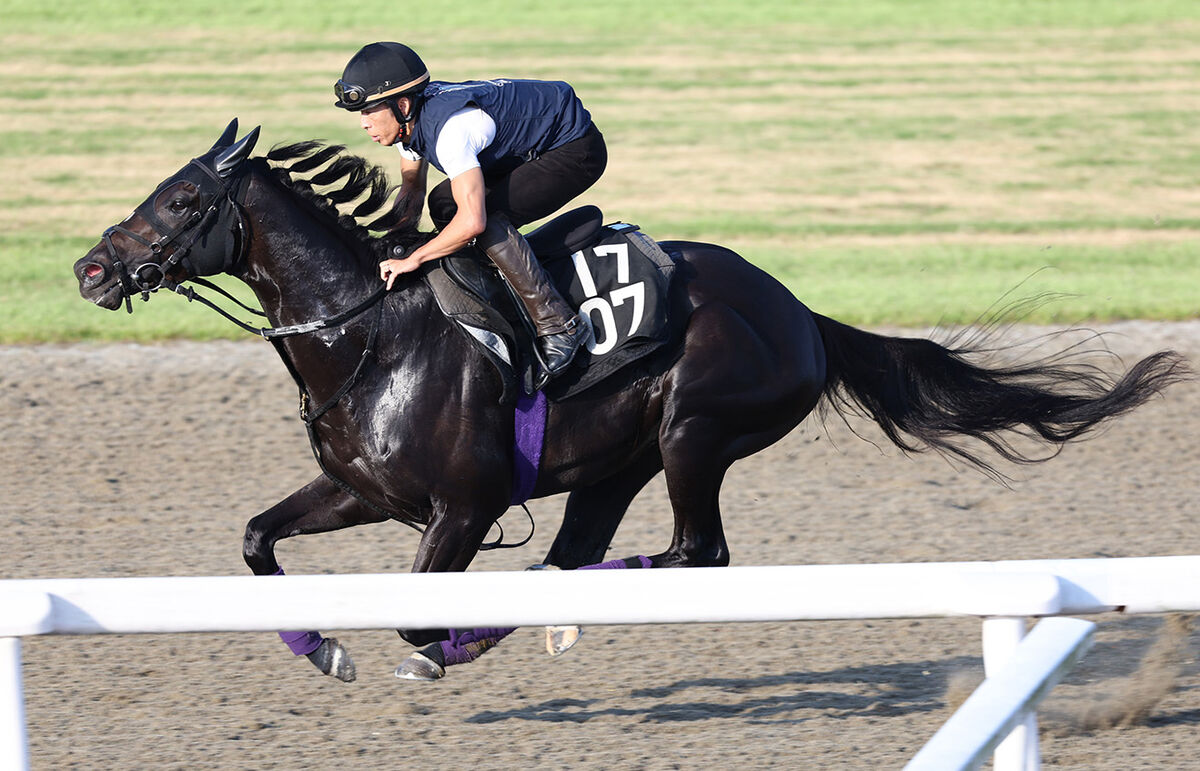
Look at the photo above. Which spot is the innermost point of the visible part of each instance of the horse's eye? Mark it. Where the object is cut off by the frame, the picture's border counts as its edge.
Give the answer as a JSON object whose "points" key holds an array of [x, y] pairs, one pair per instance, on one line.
{"points": [[179, 205]]}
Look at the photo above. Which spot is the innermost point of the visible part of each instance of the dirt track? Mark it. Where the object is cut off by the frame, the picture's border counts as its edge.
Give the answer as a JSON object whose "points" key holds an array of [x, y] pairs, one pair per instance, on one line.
{"points": [[133, 460]]}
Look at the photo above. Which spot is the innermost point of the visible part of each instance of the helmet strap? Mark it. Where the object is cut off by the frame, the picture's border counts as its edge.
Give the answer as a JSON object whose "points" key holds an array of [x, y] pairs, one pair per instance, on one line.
{"points": [[405, 120], [401, 118]]}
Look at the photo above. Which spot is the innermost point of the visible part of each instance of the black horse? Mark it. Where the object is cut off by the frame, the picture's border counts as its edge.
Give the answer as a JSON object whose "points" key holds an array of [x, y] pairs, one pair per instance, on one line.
{"points": [[411, 424]]}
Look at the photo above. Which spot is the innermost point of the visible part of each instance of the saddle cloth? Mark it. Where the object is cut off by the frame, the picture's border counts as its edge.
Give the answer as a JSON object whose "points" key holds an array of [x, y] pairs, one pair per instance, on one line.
{"points": [[614, 275]]}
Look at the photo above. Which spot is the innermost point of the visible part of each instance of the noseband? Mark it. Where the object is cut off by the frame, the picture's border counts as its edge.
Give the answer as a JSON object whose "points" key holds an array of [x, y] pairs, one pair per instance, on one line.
{"points": [[150, 276]]}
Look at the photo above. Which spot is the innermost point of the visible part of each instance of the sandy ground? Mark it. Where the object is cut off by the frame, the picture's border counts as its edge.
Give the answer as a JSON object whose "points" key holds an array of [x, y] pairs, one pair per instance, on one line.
{"points": [[148, 460]]}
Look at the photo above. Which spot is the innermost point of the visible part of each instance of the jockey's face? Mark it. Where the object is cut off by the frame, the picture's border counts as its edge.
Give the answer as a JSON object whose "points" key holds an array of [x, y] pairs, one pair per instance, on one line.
{"points": [[380, 124]]}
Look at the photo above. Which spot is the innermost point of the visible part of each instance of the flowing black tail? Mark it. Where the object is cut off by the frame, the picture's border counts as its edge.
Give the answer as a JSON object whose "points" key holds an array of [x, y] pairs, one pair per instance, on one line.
{"points": [[925, 395]]}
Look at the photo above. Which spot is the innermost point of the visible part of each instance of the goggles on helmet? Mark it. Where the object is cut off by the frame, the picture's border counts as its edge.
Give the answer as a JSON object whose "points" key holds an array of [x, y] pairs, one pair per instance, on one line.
{"points": [[350, 94]]}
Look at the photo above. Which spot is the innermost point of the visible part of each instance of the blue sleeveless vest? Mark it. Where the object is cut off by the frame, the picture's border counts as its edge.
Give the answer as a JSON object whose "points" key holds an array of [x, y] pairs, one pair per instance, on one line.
{"points": [[532, 117]]}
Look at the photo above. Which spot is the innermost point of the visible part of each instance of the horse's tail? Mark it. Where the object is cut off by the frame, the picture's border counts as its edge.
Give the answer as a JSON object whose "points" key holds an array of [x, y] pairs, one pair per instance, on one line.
{"points": [[925, 395]]}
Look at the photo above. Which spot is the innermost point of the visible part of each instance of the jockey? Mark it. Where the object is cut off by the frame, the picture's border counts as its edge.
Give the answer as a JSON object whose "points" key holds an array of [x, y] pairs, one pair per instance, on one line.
{"points": [[513, 151]]}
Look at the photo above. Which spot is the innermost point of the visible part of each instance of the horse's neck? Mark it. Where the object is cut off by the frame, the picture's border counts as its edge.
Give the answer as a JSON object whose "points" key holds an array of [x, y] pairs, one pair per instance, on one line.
{"points": [[302, 270], [300, 267]]}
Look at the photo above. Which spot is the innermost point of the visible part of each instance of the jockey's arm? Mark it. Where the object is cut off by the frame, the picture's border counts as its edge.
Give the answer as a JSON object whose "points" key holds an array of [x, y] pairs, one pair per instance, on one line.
{"points": [[411, 198], [469, 191]]}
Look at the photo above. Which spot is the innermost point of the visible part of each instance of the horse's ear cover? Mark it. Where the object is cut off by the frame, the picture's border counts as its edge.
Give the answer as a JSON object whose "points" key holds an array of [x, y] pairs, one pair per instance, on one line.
{"points": [[230, 159], [227, 136]]}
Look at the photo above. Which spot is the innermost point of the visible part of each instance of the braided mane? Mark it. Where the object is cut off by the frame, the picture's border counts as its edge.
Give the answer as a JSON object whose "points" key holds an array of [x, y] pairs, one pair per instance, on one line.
{"points": [[304, 166]]}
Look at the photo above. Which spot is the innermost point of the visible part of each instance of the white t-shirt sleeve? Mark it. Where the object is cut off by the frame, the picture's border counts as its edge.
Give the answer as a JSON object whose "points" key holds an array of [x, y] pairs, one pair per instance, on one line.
{"points": [[463, 137]]}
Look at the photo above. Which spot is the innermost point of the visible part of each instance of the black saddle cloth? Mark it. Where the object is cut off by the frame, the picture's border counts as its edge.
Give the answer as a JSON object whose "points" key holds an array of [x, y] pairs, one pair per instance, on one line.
{"points": [[614, 275]]}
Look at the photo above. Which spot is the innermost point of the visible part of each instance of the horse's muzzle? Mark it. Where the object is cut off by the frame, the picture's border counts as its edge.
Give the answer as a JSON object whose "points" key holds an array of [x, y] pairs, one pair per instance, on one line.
{"points": [[98, 282]]}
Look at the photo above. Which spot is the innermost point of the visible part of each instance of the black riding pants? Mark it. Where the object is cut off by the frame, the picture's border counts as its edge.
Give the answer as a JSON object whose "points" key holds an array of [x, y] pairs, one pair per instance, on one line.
{"points": [[530, 190]]}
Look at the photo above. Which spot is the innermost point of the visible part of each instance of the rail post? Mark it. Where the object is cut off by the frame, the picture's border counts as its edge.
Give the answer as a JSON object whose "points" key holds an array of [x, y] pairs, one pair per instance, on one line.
{"points": [[1007, 697], [1020, 750], [21, 614]]}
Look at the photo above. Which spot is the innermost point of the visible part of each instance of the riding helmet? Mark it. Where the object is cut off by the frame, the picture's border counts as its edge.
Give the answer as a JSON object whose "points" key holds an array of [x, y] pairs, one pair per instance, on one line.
{"points": [[378, 72]]}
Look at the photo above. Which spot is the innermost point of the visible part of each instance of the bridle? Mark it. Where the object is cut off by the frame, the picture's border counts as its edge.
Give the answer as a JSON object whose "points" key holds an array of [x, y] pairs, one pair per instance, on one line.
{"points": [[222, 205], [173, 247]]}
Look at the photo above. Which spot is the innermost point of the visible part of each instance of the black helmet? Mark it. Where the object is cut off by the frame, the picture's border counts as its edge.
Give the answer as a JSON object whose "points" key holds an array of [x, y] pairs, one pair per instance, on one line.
{"points": [[377, 72]]}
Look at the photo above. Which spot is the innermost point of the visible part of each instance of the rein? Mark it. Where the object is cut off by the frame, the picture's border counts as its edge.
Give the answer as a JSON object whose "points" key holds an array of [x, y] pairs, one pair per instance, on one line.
{"points": [[273, 333]]}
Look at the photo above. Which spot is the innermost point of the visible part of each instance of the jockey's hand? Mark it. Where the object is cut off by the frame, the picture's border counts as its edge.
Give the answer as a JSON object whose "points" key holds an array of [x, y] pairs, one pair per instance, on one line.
{"points": [[390, 269]]}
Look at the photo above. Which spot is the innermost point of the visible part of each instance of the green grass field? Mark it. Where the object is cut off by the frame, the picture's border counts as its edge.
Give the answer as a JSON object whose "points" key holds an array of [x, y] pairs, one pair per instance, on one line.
{"points": [[899, 163]]}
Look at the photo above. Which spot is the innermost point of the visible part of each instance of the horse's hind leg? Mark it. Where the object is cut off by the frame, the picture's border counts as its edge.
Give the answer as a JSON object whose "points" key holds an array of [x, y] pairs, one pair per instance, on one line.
{"points": [[696, 456], [318, 507], [593, 514], [737, 393], [695, 467]]}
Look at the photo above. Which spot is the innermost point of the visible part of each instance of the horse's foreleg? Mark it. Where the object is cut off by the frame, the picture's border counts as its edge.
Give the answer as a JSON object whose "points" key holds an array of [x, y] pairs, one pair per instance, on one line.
{"points": [[448, 545], [318, 507]]}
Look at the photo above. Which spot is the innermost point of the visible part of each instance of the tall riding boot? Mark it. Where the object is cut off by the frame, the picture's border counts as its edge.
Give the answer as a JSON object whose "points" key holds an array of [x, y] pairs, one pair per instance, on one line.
{"points": [[560, 331]]}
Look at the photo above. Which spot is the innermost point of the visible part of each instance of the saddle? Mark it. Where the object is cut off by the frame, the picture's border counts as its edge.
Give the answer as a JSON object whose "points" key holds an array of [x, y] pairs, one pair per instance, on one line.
{"points": [[614, 275]]}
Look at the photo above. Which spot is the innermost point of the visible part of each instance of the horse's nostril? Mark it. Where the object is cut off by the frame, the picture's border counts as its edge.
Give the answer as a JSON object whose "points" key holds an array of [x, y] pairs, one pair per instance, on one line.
{"points": [[91, 270]]}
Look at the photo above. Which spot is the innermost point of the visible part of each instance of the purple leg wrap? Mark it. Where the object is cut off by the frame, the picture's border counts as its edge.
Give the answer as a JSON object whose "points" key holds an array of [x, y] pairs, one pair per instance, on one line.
{"points": [[469, 644], [528, 439], [632, 562], [300, 643]]}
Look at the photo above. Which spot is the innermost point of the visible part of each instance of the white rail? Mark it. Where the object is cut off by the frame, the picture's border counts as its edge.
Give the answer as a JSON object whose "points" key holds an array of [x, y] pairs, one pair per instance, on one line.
{"points": [[1006, 700], [1001, 592]]}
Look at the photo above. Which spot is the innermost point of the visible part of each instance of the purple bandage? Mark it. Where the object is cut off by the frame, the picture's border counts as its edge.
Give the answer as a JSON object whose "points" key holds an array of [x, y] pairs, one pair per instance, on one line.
{"points": [[300, 643], [469, 644], [529, 424], [624, 564]]}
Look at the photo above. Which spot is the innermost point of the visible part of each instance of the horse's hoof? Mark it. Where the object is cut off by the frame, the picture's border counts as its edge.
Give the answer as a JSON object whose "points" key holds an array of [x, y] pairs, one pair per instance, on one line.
{"points": [[418, 666], [560, 639], [334, 660]]}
